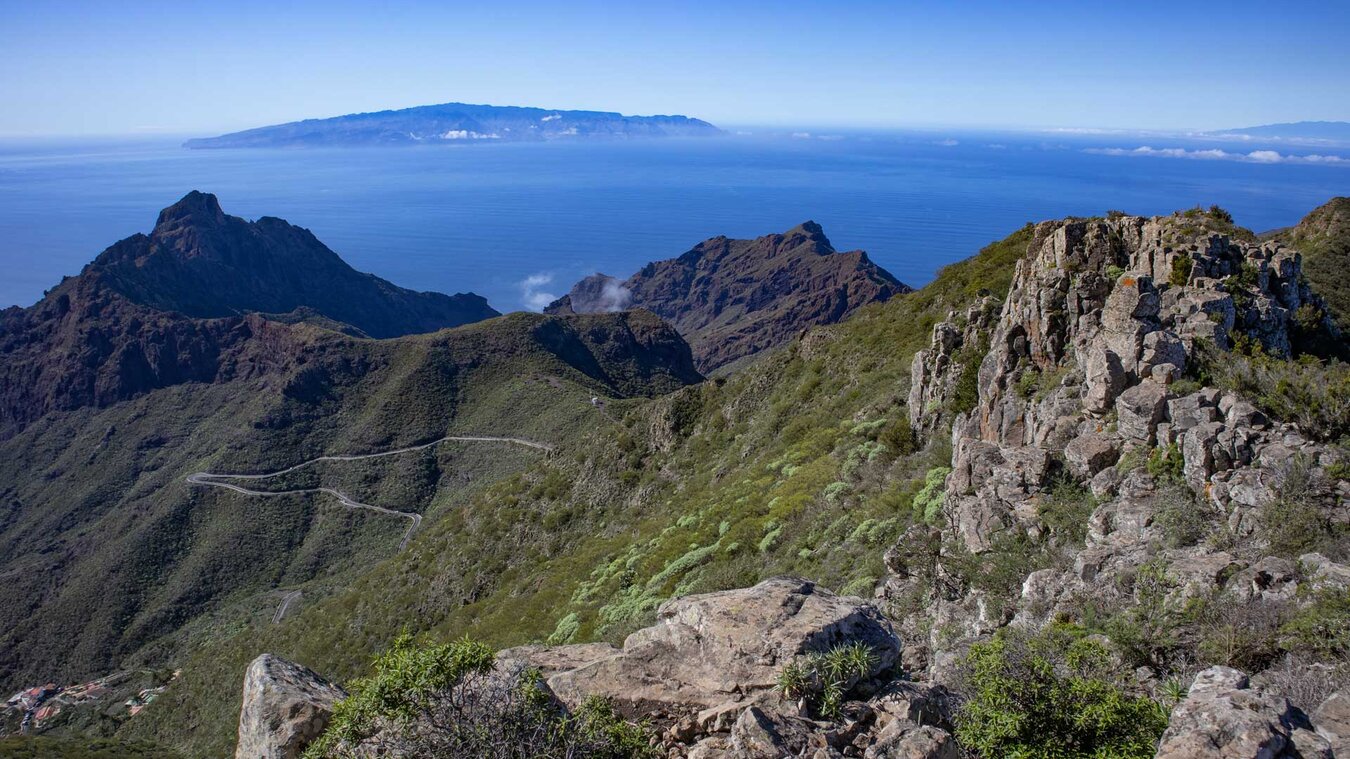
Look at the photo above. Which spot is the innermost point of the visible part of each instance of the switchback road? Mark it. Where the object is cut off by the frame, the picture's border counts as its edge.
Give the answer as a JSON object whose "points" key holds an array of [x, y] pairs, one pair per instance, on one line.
{"points": [[214, 479]]}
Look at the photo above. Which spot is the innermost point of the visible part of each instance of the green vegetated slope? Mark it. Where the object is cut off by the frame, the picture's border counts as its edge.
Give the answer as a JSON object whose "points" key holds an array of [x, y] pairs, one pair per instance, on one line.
{"points": [[801, 462], [110, 558], [1323, 237]]}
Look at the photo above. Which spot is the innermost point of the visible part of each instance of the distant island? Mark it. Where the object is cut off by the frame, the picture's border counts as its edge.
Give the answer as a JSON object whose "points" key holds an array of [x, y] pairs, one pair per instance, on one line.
{"points": [[1329, 131], [458, 123]]}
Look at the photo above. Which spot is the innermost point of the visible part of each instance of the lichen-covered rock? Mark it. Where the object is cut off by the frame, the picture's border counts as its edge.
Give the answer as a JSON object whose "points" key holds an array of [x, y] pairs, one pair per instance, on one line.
{"points": [[706, 650], [286, 706], [769, 734], [1332, 719], [1090, 453], [904, 741], [1222, 718]]}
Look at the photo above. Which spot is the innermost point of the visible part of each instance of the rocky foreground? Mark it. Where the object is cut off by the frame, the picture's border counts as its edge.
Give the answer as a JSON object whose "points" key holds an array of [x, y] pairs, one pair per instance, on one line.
{"points": [[706, 674]]}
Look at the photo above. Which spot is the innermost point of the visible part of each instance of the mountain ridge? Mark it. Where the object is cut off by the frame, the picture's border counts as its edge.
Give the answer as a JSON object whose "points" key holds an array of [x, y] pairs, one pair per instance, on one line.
{"points": [[174, 306], [734, 298]]}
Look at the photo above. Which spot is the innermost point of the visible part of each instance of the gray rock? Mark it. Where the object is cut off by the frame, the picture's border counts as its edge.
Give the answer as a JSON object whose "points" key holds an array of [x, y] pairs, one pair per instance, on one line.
{"points": [[286, 706], [1332, 719], [1090, 453], [1139, 409], [1222, 718], [706, 650], [1105, 379], [768, 734], [902, 741]]}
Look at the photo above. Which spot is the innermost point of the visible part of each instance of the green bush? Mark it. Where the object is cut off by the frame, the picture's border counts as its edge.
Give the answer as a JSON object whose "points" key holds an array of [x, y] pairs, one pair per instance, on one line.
{"points": [[1313, 394], [1181, 270], [450, 701], [1166, 464], [1052, 696], [928, 501], [823, 680], [899, 436], [1322, 627], [1294, 523], [1180, 517]]}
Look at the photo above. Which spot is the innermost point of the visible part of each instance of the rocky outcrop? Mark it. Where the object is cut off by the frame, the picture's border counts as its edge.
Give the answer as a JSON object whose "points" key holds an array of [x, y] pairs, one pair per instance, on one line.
{"points": [[733, 298], [706, 674], [1222, 717], [200, 262], [1079, 380], [707, 650], [286, 706], [1332, 719]]}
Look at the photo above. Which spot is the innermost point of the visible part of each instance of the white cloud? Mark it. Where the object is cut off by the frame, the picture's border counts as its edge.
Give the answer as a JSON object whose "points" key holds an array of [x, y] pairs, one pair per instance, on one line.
{"points": [[614, 297], [1215, 154], [947, 143], [531, 294]]}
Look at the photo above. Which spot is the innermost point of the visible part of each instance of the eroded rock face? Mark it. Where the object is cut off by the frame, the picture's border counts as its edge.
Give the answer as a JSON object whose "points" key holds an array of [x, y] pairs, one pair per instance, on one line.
{"points": [[1079, 383], [709, 649], [1222, 716], [286, 706]]}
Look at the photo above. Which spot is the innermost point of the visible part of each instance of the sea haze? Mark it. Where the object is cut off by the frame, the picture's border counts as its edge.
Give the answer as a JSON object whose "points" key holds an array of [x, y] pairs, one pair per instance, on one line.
{"points": [[520, 223]]}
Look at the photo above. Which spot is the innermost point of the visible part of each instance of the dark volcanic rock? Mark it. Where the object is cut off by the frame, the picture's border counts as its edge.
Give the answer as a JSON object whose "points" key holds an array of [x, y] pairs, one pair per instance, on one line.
{"points": [[200, 262], [733, 298], [162, 309]]}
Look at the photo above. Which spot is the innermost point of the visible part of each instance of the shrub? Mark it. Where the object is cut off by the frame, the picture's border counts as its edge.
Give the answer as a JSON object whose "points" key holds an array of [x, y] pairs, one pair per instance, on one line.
{"points": [[452, 701], [1180, 517], [1053, 695], [1294, 522], [1312, 394], [1181, 270], [1166, 464], [1066, 510], [929, 500], [899, 436], [823, 680], [1322, 627]]}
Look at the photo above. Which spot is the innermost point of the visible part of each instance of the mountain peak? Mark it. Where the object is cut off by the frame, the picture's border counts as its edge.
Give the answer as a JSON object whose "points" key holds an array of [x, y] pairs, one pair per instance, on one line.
{"points": [[195, 209], [203, 263], [733, 298], [808, 232]]}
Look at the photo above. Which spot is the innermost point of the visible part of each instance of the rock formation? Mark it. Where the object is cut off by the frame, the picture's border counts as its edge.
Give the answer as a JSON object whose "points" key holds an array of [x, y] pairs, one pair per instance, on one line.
{"points": [[733, 298], [1223, 717], [1086, 375], [286, 706]]}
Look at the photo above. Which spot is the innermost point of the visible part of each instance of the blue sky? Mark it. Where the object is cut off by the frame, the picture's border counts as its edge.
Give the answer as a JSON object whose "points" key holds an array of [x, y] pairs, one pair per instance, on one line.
{"points": [[185, 67]]}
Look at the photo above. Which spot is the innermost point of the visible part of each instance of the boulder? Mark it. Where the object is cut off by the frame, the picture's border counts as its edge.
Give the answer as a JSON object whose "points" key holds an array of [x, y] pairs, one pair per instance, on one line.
{"points": [[1139, 409], [1090, 453], [1105, 379], [706, 650], [767, 734], [1332, 719], [1223, 718], [907, 741], [286, 706]]}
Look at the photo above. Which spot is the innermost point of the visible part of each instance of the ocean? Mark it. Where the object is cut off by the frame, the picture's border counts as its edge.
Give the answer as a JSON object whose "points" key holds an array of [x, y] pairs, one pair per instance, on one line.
{"points": [[519, 223]]}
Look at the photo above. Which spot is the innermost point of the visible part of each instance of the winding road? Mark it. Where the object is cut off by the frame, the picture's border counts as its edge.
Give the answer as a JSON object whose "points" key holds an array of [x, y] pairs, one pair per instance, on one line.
{"points": [[285, 604], [214, 479]]}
